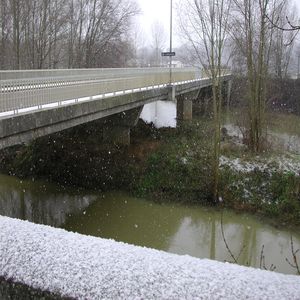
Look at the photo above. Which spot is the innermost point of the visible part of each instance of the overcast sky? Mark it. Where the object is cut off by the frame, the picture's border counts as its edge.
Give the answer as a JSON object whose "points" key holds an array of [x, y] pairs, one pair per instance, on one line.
{"points": [[153, 10]]}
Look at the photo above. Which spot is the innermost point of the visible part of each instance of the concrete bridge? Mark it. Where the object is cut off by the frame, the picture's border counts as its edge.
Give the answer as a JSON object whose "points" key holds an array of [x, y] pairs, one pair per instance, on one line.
{"points": [[40, 102]]}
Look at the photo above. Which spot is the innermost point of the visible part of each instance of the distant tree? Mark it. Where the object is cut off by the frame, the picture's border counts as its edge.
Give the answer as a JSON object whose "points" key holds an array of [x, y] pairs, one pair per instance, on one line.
{"points": [[158, 41], [95, 26], [137, 37], [37, 34], [4, 33], [283, 41]]}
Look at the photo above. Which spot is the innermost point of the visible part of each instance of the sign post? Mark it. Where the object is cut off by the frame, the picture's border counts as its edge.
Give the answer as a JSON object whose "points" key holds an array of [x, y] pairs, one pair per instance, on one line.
{"points": [[171, 28], [168, 54]]}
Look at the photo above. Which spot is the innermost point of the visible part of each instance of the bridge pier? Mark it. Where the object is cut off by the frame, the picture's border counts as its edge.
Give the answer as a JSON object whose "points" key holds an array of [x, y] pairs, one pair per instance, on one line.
{"points": [[116, 129], [202, 103], [228, 92], [184, 108]]}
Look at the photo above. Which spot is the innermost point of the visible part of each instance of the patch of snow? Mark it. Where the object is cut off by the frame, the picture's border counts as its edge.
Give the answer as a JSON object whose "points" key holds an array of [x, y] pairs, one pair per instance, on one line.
{"points": [[234, 131], [85, 267], [184, 160], [271, 165]]}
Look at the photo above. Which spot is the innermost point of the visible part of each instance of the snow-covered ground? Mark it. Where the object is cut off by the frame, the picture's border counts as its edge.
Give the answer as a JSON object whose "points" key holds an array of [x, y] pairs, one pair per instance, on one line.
{"points": [[289, 163], [86, 267], [271, 165]]}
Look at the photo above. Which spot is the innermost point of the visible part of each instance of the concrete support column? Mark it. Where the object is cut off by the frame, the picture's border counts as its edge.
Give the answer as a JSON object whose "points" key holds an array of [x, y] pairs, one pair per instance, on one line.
{"points": [[229, 88], [184, 108], [171, 93], [203, 102], [116, 129]]}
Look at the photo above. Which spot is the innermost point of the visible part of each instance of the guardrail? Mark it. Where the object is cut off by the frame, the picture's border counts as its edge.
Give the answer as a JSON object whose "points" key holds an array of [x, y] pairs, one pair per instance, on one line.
{"points": [[36, 88]]}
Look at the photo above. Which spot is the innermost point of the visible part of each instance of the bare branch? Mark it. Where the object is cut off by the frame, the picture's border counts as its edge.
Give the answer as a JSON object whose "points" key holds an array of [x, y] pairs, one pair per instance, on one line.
{"points": [[291, 28], [294, 264], [225, 241], [262, 263]]}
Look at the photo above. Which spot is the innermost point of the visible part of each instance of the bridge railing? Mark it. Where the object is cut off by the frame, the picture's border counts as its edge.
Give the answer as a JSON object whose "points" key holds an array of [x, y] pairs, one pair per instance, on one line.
{"points": [[20, 90]]}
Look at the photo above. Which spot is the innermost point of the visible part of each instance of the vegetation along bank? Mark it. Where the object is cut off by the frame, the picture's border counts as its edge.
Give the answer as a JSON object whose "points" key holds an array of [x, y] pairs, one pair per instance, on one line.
{"points": [[167, 164]]}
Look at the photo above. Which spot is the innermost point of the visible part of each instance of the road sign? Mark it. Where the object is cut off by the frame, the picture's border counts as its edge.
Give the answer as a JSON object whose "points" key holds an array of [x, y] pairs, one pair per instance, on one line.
{"points": [[168, 54]]}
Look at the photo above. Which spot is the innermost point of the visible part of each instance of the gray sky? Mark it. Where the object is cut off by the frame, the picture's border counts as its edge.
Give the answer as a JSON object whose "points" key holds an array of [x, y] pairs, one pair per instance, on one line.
{"points": [[298, 5], [153, 10]]}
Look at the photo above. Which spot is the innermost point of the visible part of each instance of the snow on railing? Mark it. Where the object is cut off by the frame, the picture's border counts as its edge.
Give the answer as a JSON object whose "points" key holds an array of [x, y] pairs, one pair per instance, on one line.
{"points": [[85, 267]]}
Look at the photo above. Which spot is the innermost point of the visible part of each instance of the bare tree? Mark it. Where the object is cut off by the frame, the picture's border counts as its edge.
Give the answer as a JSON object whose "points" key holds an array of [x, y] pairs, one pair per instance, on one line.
{"points": [[99, 25], [4, 33], [59, 33], [283, 41], [205, 26], [254, 42], [15, 7], [259, 43]]}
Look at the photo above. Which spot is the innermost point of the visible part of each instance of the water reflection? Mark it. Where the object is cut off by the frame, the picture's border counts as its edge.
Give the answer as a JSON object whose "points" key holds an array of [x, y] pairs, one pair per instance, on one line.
{"points": [[244, 235], [160, 113], [40, 202], [280, 141], [285, 141], [185, 230]]}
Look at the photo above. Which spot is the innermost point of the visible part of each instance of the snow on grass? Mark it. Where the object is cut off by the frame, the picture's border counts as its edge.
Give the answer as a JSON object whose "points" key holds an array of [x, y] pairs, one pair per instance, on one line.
{"points": [[86, 267], [271, 165]]}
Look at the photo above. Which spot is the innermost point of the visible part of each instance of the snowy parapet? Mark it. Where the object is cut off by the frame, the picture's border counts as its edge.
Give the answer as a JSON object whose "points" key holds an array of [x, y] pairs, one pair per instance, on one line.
{"points": [[87, 267]]}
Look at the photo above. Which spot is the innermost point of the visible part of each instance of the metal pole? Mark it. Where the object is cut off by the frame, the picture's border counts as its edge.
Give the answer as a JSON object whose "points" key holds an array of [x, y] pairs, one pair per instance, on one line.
{"points": [[171, 28]]}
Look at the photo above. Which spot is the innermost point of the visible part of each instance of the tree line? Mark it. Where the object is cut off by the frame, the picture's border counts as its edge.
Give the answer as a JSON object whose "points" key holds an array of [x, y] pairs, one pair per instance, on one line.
{"points": [[245, 35], [38, 34]]}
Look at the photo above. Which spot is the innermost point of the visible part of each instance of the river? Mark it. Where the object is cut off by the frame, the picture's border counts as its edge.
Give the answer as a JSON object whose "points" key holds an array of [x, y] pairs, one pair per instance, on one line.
{"points": [[175, 228]]}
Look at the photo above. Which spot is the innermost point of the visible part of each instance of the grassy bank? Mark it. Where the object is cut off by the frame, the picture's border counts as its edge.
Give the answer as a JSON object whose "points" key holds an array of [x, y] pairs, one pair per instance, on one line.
{"points": [[166, 165], [273, 194], [159, 162]]}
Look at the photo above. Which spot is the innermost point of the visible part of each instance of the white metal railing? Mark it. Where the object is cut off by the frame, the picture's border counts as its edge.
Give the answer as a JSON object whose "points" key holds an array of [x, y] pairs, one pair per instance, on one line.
{"points": [[36, 89]]}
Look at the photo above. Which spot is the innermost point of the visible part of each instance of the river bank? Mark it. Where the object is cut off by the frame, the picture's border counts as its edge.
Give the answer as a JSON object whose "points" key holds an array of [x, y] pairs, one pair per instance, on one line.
{"points": [[166, 164]]}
